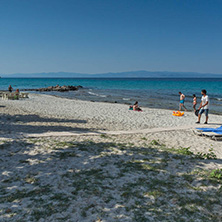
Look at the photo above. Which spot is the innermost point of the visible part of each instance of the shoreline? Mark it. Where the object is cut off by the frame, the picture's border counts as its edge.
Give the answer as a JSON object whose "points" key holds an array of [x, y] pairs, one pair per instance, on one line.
{"points": [[158, 94], [61, 98], [58, 114], [48, 113], [123, 103]]}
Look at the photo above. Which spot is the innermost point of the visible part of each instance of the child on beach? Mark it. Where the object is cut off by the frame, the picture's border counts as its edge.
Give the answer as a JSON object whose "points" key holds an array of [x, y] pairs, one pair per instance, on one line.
{"points": [[194, 102]]}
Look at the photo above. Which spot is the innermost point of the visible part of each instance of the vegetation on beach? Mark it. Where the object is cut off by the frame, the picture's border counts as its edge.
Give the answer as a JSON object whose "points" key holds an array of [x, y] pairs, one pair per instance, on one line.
{"points": [[103, 179], [217, 173], [199, 155]]}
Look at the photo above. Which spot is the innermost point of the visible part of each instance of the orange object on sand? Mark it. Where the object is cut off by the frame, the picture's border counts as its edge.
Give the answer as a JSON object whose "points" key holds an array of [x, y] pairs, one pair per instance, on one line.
{"points": [[178, 113]]}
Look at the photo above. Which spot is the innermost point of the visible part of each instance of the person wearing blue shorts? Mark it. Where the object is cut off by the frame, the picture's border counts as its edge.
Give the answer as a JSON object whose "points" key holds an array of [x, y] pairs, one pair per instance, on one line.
{"points": [[204, 106], [182, 100]]}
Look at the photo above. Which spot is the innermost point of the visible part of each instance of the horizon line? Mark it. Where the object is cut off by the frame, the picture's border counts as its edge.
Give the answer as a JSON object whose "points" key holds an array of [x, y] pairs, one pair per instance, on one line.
{"points": [[119, 72]]}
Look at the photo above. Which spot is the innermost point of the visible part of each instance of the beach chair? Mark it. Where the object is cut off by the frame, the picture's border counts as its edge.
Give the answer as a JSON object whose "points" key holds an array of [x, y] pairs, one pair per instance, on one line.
{"points": [[213, 130], [212, 133], [4, 95], [24, 95], [11, 96]]}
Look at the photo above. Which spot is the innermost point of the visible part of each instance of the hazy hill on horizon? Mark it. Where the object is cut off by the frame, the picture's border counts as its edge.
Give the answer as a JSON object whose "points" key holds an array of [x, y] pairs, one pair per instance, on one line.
{"points": [[130, 74]]}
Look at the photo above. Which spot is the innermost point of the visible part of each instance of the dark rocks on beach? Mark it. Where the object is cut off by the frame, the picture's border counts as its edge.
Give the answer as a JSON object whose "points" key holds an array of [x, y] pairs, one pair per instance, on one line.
{"points": [[56, 88]]}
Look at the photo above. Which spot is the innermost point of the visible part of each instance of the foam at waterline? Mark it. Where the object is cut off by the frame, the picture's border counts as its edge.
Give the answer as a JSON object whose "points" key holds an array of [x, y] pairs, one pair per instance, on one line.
{"points": [[95, 94]]}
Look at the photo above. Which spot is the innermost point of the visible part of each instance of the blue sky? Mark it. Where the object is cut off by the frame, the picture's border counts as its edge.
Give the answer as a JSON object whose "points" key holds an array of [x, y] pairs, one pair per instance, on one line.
{"points": [[98, 36]]}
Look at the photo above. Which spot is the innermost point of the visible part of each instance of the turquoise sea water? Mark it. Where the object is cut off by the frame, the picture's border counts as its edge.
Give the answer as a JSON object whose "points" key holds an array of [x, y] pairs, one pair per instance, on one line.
{"points": [[151, 92]]}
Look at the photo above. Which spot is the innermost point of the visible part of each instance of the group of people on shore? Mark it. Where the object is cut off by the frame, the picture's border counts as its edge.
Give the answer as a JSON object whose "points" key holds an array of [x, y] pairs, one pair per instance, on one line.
{"points": [[10, 89], [15, 94], [203, 108]]}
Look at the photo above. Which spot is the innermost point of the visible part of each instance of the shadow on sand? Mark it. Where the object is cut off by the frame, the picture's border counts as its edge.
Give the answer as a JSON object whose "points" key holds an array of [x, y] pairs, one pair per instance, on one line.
{"points": [[105, 180], [15, 125]]}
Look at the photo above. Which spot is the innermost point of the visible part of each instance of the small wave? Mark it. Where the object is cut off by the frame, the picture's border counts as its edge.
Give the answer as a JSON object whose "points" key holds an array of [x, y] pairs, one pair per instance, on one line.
{"points": [[219, 99], [95, 94], [126, 98]]}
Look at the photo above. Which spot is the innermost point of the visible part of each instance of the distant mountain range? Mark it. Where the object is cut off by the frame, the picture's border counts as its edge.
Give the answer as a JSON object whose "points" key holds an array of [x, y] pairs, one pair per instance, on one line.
{"points": [[133, 74]]}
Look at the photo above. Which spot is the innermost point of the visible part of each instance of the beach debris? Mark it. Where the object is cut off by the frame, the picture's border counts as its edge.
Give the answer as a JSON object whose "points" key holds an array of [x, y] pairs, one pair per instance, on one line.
{"points": [[57, 88]]}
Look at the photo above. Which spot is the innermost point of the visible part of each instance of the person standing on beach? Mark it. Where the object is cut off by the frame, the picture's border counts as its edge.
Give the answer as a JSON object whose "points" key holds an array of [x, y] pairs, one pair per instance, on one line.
{"points": [[194, 102], [204, 106], [10, 88], [182, 100]]}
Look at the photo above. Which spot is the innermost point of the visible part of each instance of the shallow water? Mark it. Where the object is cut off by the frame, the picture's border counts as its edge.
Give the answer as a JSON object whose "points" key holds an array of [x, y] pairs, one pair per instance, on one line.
{"points": [[150, 92]]}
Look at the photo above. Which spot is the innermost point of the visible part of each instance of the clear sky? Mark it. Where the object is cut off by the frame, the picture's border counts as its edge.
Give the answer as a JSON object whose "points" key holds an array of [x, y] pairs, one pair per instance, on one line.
{"points": [[97, 36]]}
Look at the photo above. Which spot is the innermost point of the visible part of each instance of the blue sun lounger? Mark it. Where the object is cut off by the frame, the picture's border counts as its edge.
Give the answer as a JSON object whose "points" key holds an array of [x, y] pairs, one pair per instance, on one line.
{"points": [[213, 130]]}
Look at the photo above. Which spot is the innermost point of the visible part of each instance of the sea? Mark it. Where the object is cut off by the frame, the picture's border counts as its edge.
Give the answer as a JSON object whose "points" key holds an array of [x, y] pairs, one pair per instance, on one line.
{"points": [[161, 93]]}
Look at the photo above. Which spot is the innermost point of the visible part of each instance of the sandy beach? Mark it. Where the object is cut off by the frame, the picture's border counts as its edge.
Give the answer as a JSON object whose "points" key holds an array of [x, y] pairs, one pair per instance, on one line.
{"points": [[72, 160], [42, 114]]}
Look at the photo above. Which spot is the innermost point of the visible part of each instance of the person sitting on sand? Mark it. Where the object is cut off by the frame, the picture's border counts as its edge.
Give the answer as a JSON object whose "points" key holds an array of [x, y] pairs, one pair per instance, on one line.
{"points": [[182, 100], [17, 94], [10, 88], [17, 91], [194, 102], [136, 107], [204, 106]]}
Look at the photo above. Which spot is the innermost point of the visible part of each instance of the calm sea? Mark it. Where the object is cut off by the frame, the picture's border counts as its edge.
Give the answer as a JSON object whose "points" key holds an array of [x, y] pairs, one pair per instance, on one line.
{"points": [[150, 92]]}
